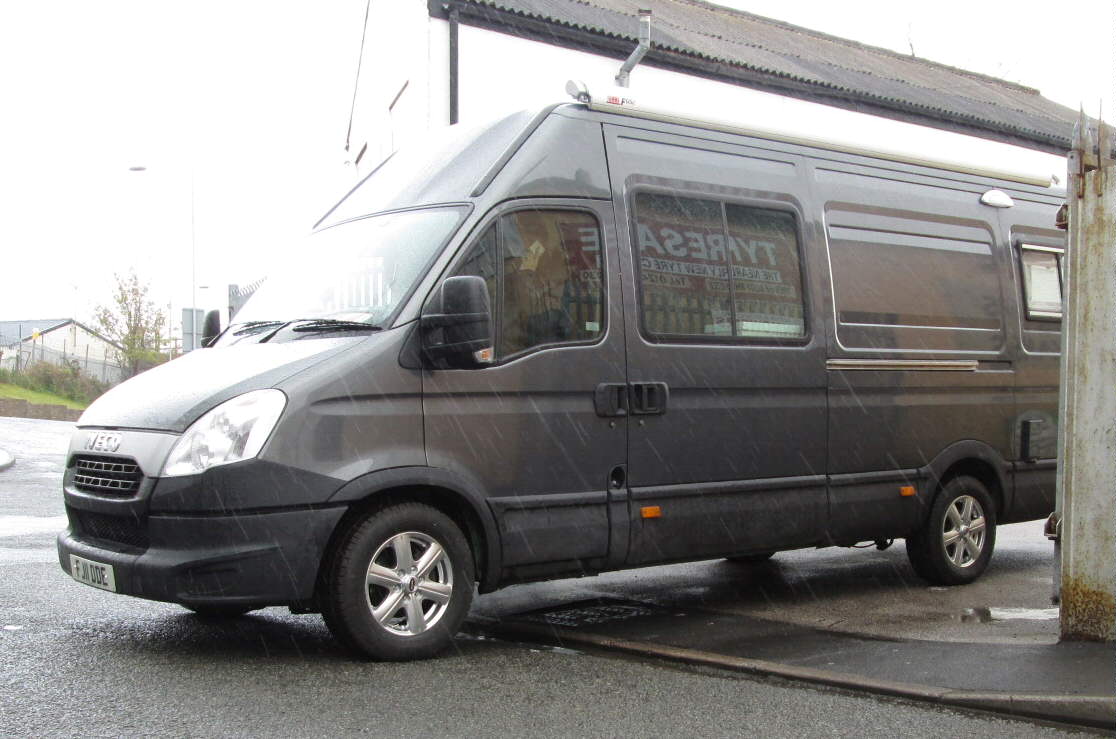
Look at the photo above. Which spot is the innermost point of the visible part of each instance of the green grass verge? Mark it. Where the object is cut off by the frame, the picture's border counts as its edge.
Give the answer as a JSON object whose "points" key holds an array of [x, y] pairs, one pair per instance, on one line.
{"points": [[34, 396]]}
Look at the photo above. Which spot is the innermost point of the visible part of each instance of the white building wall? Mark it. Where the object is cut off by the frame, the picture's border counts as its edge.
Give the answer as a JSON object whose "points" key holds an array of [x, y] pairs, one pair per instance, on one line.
{"points": [[397, 52], [500, 73], [70, 343], [76, 342]]}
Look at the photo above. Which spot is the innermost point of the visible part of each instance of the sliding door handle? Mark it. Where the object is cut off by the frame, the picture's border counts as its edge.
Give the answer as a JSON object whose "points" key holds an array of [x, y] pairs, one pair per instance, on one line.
{"points": [[649, 398], [611, 399]]}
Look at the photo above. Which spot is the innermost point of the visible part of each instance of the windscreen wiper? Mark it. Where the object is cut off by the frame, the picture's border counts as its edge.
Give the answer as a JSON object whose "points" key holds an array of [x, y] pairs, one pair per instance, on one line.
{"points": [[254, 327], [331, 324]]}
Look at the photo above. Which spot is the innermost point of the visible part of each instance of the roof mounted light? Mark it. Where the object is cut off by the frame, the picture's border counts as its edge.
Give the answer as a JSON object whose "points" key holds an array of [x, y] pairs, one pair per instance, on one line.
{"points": [[997, 199], [579, 91]]}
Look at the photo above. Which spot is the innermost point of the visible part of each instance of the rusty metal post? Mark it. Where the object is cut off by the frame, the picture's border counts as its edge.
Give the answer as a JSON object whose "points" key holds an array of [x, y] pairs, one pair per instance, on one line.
{"points": [[1087, 435]]}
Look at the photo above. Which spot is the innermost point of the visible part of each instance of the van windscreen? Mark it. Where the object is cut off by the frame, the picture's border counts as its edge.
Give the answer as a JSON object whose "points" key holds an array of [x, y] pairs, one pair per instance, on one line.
{"points": [[358, 271]]}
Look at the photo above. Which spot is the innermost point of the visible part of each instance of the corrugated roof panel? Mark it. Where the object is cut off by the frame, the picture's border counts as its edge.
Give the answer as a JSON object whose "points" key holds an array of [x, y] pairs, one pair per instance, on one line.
{"points": [[766, 52]]}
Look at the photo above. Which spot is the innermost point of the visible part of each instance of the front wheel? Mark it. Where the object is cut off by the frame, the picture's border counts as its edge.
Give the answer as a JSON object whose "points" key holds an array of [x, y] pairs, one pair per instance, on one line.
{"points": [[955, 544], [399, 584]]}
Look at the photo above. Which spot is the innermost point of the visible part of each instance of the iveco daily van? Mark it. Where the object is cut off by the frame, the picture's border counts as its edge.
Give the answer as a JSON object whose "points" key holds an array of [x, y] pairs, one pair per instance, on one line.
{"points": [[585, 339]]}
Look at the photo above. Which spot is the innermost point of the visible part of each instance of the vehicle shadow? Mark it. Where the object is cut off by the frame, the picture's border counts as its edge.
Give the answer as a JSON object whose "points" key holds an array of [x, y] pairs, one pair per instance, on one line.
{"points": [[271, 635]]}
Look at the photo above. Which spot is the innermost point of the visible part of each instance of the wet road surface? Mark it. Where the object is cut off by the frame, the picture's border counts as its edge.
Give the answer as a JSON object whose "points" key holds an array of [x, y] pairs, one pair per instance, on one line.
{"points": [[78, 661]]}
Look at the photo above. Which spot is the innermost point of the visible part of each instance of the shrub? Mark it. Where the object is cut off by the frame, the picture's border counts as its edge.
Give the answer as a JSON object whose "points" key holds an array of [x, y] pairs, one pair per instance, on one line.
{"points": [[67, 381]]}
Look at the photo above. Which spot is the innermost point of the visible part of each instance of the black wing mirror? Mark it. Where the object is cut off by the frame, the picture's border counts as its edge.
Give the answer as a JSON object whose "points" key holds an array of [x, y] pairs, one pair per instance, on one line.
{"points": [[456, 325], [211, 327]]}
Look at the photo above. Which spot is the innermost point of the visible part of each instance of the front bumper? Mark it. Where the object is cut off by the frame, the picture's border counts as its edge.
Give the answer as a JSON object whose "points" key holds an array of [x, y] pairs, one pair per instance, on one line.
{"points": [[249, 533], [253, 559]]}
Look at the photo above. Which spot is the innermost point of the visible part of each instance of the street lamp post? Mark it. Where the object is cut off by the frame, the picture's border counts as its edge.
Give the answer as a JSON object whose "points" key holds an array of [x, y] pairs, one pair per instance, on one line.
{"points": [[193, 265]]}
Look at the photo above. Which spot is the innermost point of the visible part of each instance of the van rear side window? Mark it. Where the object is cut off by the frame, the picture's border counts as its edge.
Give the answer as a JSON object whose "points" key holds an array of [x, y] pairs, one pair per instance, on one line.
{"points": [[905, 280], [1042, 282], [687, 248]]}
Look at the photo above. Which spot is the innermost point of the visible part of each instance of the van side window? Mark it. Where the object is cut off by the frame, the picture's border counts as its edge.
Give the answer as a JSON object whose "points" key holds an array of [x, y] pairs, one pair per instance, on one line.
{"points": [[1042, 281], [544, 278], [688, 247], [481, 262]]}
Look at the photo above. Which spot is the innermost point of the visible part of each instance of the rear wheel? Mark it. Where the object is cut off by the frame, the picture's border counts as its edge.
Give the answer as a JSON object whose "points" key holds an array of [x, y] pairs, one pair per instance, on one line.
{"points": [[955, 545], [399, 584]]}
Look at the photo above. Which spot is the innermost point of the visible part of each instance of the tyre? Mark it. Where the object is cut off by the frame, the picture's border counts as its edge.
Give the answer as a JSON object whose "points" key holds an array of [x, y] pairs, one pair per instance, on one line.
{"points": [[751, 559], [220, 610], [955, 544], [399, 583]]}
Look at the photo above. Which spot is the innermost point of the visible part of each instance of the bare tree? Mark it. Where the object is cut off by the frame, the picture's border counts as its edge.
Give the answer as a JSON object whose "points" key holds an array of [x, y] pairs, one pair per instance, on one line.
{"points": [[134, 323]]}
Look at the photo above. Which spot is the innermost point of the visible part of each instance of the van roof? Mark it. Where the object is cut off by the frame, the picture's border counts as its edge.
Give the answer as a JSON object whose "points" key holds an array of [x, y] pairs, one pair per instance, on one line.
{"points": [[624, 102]]}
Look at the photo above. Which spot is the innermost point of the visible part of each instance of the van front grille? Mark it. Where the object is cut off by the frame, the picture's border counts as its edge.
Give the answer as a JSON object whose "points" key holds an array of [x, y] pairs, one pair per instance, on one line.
{"points": [[116, 476], [119, 529]]}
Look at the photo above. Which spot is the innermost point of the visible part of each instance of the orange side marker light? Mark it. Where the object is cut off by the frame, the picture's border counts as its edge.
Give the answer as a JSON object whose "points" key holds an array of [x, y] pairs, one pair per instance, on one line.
{"points": [[907, 491], [651, 511]]}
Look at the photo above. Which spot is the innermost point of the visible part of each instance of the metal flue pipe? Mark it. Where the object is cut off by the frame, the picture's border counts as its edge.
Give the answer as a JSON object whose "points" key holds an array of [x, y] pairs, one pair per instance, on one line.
{"points": [[638, 53]]}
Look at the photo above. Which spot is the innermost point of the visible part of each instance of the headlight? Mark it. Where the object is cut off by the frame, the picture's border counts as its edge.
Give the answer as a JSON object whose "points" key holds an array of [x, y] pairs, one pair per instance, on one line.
{"points": [[234, 430]]}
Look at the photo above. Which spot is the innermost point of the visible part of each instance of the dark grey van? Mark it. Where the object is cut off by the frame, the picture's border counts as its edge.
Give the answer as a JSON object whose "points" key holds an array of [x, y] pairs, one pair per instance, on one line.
{"points": [[587, 339]]}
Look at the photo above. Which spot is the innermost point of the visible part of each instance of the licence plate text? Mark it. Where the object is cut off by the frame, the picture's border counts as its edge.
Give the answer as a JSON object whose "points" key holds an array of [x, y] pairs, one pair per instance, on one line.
{"points": [[92, 573]]}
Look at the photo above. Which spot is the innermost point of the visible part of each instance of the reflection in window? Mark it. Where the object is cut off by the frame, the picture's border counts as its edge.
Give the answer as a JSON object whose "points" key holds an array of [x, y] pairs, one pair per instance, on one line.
{"points": [[686, 247], [543, 269]]}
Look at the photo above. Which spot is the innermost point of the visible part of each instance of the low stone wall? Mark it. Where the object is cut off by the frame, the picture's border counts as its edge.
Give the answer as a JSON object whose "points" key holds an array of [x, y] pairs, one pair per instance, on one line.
{"points": [[24, 409]]}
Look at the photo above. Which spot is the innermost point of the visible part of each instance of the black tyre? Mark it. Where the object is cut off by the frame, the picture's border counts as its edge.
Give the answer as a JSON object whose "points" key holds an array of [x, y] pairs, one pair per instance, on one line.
{"points": [[751, 559], [955, 545], [399, 583], [221, 610]]}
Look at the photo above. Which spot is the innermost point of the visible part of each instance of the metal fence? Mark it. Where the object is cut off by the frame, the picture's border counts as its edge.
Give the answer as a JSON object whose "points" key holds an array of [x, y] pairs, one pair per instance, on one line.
{"points": [[19, 357]]}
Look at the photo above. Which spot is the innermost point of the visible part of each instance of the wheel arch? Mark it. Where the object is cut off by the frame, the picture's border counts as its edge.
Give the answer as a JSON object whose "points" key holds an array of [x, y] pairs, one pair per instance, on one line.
{"points": [[972, 459], [439, 488]]}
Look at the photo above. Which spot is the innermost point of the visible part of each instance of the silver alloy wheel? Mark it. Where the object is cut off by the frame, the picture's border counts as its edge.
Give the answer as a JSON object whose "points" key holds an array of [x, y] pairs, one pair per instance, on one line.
{"points": [[963, 530], [409, 583]]}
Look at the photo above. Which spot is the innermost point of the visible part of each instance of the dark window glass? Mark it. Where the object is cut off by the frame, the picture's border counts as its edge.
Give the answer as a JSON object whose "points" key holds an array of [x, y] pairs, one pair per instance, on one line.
{"points": [[481, 261], [543, 269], [682, 266], [767, 276], [552, 279], [685, 254]]}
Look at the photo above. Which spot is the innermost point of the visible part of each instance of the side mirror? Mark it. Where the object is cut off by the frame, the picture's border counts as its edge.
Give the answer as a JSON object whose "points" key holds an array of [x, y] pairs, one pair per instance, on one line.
{"points": [[456, 327], [211, 327]]}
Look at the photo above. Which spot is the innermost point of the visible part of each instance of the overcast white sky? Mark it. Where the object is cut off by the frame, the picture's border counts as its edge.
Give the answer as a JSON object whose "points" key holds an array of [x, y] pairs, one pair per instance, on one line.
{"points": [[249, 102]]}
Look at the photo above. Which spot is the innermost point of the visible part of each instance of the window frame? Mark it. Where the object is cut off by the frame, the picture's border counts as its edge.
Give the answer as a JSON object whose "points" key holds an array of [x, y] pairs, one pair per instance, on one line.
{"points": [[723, 200], [1059, 258], [494, 219]]}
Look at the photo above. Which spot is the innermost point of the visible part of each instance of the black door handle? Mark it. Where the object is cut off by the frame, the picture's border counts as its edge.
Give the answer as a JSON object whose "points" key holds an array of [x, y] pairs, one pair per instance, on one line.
{"points": [[649, 398], [611, 399]]}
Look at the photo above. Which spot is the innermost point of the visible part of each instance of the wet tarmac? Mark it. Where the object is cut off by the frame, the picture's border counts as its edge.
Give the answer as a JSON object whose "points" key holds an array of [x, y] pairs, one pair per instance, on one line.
{"points": [[78, 661]]}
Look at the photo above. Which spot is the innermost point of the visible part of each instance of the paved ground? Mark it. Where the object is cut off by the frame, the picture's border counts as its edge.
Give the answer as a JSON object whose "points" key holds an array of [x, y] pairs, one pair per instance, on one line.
{"points": [[77, 661]]}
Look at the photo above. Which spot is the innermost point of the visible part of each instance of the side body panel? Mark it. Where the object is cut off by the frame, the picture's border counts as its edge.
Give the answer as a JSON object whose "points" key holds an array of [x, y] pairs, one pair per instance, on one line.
{"points": [[526, 432], [736, 461], [1035, 431], [921, 355]]}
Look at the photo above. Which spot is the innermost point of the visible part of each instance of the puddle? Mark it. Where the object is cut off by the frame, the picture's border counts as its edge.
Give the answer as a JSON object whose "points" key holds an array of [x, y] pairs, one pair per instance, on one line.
{"points": [[1029, 614], [984, 615], [976, 615]]}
